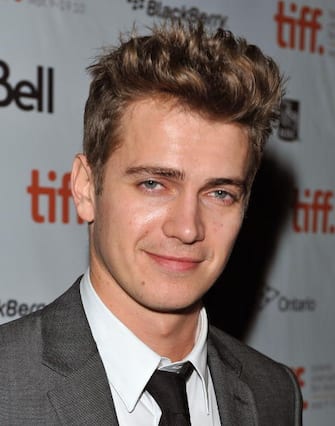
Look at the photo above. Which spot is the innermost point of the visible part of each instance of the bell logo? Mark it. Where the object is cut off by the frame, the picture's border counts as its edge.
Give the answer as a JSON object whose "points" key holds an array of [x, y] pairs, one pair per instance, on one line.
{"points": [[298, 28], [28, 96]]}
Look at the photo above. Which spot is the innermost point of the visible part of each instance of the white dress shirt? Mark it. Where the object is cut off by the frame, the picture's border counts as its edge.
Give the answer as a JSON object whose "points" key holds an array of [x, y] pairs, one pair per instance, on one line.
{"points": [[129, 364]]}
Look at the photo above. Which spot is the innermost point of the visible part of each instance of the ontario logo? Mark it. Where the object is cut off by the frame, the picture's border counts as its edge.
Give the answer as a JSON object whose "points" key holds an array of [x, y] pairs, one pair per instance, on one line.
{"points": [[286, 304], [158, 9]]}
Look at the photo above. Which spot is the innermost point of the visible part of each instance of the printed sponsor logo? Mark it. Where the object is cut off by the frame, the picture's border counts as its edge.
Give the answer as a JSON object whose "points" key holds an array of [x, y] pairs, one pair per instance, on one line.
{"points": [[317, 383], [322, 386], [300, 27], [331, 32], [73, 6], [49, 199], [285, 303], [288, 129], [300, 373], [13, 308], [158, 9], [37, 95], [137, 4], [311, 211]]}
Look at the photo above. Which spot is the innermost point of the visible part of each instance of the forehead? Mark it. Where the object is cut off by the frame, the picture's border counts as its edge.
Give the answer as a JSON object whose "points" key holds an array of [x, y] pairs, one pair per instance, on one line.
{"points": [[164, 133]]}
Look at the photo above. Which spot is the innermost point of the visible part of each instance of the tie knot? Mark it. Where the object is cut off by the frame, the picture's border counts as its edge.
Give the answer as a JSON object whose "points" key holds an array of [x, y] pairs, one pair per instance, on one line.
{"points": [[183, 370], [169, 391]]}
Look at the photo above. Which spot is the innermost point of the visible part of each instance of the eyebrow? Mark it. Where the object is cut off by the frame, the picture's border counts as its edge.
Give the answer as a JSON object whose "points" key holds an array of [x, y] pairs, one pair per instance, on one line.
{"points": [[157, 171], [239, 183]]}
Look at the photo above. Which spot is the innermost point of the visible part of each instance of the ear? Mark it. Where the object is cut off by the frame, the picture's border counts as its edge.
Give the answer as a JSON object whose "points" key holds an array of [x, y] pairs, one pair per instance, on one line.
{"points": [[82, 186]]}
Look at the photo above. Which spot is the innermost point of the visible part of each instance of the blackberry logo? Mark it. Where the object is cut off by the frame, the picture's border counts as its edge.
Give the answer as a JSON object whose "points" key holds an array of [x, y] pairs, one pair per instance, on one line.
{"points": [[12, 308], [158, 9]]}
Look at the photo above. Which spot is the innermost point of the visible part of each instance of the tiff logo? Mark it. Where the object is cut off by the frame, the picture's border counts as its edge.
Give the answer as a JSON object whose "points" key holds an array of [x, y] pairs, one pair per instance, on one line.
{"points": [[298, 27], [52, 196], [311, 215]]}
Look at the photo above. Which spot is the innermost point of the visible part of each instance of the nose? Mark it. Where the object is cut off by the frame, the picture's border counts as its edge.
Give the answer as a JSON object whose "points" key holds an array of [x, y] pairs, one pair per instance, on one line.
{"points": [[184, 220]]}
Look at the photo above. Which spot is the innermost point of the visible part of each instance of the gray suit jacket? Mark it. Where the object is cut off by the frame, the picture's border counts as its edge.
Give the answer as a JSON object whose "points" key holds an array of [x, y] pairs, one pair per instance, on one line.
{"points": [[51, 374]]}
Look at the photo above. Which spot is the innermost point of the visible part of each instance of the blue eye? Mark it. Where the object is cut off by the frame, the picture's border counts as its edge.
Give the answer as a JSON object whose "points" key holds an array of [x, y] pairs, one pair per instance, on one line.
{"points": [[221, 194], [150, 184], [225, 197]]}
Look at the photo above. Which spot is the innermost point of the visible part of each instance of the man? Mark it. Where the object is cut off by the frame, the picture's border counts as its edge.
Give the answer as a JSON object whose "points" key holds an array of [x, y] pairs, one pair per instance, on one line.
{"points": [[174, 128]]}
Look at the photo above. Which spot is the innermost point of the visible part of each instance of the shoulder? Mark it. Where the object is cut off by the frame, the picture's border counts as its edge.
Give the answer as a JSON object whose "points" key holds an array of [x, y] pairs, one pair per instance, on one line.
{"points": [[240, 350], [23, 336], [25, 375], [250, 362], [272, 384], [20, 333]]}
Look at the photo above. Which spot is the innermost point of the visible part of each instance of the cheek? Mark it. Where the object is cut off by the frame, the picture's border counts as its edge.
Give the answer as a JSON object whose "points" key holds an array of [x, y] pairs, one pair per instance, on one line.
{"points": [[225, 231], [129, 221], [144, 214]]}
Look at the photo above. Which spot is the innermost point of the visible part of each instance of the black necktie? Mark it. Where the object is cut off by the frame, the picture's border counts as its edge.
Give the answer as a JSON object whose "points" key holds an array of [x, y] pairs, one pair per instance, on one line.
{"points": [[169, 391]]}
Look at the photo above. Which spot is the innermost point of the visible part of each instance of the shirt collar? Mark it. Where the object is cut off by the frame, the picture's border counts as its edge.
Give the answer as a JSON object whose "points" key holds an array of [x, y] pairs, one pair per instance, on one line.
{"points": [[128, 374]]}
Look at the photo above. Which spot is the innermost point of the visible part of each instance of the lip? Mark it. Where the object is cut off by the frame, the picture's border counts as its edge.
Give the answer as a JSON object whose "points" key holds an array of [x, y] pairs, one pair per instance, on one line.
{"points": [[175, 264]]}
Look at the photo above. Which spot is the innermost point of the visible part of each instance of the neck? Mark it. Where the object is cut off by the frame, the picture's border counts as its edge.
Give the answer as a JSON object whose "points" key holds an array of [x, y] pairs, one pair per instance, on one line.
{"points": [[171, 335]]}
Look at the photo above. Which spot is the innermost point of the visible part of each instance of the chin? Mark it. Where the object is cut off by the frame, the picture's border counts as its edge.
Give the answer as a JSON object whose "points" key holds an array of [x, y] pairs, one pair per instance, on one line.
{"points": [[185, 307]]}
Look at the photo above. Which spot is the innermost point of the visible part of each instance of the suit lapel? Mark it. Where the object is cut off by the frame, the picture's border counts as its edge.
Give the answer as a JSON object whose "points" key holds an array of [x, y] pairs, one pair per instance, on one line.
{"points": [[234, 397], [82, 395]]}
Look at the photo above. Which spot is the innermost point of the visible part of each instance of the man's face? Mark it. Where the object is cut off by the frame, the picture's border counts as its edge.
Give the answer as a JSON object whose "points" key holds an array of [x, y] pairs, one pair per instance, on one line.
{"points": [[172, 204]]}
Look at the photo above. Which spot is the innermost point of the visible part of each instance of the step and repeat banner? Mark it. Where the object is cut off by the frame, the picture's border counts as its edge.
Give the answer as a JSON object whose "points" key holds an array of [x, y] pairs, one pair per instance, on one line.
{"points": [[46, 45]]}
